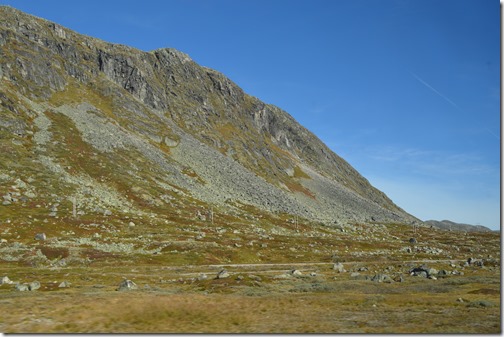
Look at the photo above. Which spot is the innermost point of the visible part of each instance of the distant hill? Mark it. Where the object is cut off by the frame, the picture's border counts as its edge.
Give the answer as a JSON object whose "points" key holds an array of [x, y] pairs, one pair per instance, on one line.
{"points": [[450, 225]]}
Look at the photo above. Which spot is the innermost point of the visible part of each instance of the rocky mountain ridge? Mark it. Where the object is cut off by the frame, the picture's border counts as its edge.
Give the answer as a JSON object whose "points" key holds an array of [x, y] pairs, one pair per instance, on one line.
{"points": [[454, 226], [112, 128]]}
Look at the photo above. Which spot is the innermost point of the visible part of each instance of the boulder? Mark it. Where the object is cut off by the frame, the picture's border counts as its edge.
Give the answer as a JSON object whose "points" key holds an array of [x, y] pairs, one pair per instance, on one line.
{"points": [[295, 272], [398, 278], [432, 271], [22, 287], [423, 271], [127, 285], [40, 236], [338, 266], [5, 280], [64, 284], [382, 278], [222, 274], [34, 285]]}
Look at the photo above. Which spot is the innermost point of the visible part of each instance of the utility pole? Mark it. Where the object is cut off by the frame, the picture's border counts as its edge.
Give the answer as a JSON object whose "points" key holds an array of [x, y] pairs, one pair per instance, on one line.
{"points": [[74, 207]]}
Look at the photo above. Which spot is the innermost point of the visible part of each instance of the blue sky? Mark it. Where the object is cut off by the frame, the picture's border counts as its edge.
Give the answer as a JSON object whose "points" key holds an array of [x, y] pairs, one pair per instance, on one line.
{"points": [[408, 92]]}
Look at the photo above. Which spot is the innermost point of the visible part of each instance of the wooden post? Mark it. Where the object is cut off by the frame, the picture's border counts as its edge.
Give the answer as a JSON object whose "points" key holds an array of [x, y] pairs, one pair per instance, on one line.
{"points": [[74, 207]]}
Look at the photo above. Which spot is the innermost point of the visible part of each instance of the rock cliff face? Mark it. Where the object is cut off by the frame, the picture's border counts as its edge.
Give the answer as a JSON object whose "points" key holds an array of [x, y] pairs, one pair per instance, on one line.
{"points": [[118, 129]]}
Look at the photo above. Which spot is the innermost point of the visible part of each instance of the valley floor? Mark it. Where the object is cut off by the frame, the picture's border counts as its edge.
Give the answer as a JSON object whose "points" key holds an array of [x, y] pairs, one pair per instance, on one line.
{"points": [[253, 299], [280, 276]]}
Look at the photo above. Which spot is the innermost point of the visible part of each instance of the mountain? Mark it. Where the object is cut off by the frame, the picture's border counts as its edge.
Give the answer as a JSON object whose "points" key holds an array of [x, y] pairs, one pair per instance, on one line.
{"points": [[90, 128], [454, 226]]}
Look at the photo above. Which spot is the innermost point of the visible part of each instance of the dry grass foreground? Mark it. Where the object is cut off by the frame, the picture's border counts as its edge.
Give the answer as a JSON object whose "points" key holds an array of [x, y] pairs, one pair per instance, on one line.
{"points": [[333, 303]]}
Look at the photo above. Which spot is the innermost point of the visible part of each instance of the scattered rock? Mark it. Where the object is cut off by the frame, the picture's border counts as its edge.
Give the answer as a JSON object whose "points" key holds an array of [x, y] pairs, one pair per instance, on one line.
{"points": [[222, 274], [398, 278], [127, 285], [421, 271], [131, 224], [22, 287], [202, 277], [474, 262], [34, 285], [338, 266], [295, 272], [382, 278], [412, 241], [40, 236], [64, 284], [5, 280], [432, 271], [28, 286]]}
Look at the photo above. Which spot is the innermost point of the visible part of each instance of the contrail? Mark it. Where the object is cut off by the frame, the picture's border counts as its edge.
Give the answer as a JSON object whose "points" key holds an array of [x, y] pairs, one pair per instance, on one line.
{"points": [[445, 98], [433, 89]]}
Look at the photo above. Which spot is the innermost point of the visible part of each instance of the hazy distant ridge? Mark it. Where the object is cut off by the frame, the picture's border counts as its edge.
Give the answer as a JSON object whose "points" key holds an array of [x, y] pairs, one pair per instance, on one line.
{"points": [[450, 225]]}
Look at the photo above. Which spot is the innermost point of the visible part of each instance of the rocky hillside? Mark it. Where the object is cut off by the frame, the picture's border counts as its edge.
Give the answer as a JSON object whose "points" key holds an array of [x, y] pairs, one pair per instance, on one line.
{"points": [[454, 226], [92, 128]]}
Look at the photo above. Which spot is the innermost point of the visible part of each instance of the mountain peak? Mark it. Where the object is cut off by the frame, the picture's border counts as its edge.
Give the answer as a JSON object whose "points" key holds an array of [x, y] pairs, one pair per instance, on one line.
{"points": [[183, 125]]}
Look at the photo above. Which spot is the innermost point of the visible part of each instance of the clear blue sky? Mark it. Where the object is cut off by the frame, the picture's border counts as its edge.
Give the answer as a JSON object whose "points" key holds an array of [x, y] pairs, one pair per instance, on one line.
{"points": [[408, 92]]}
